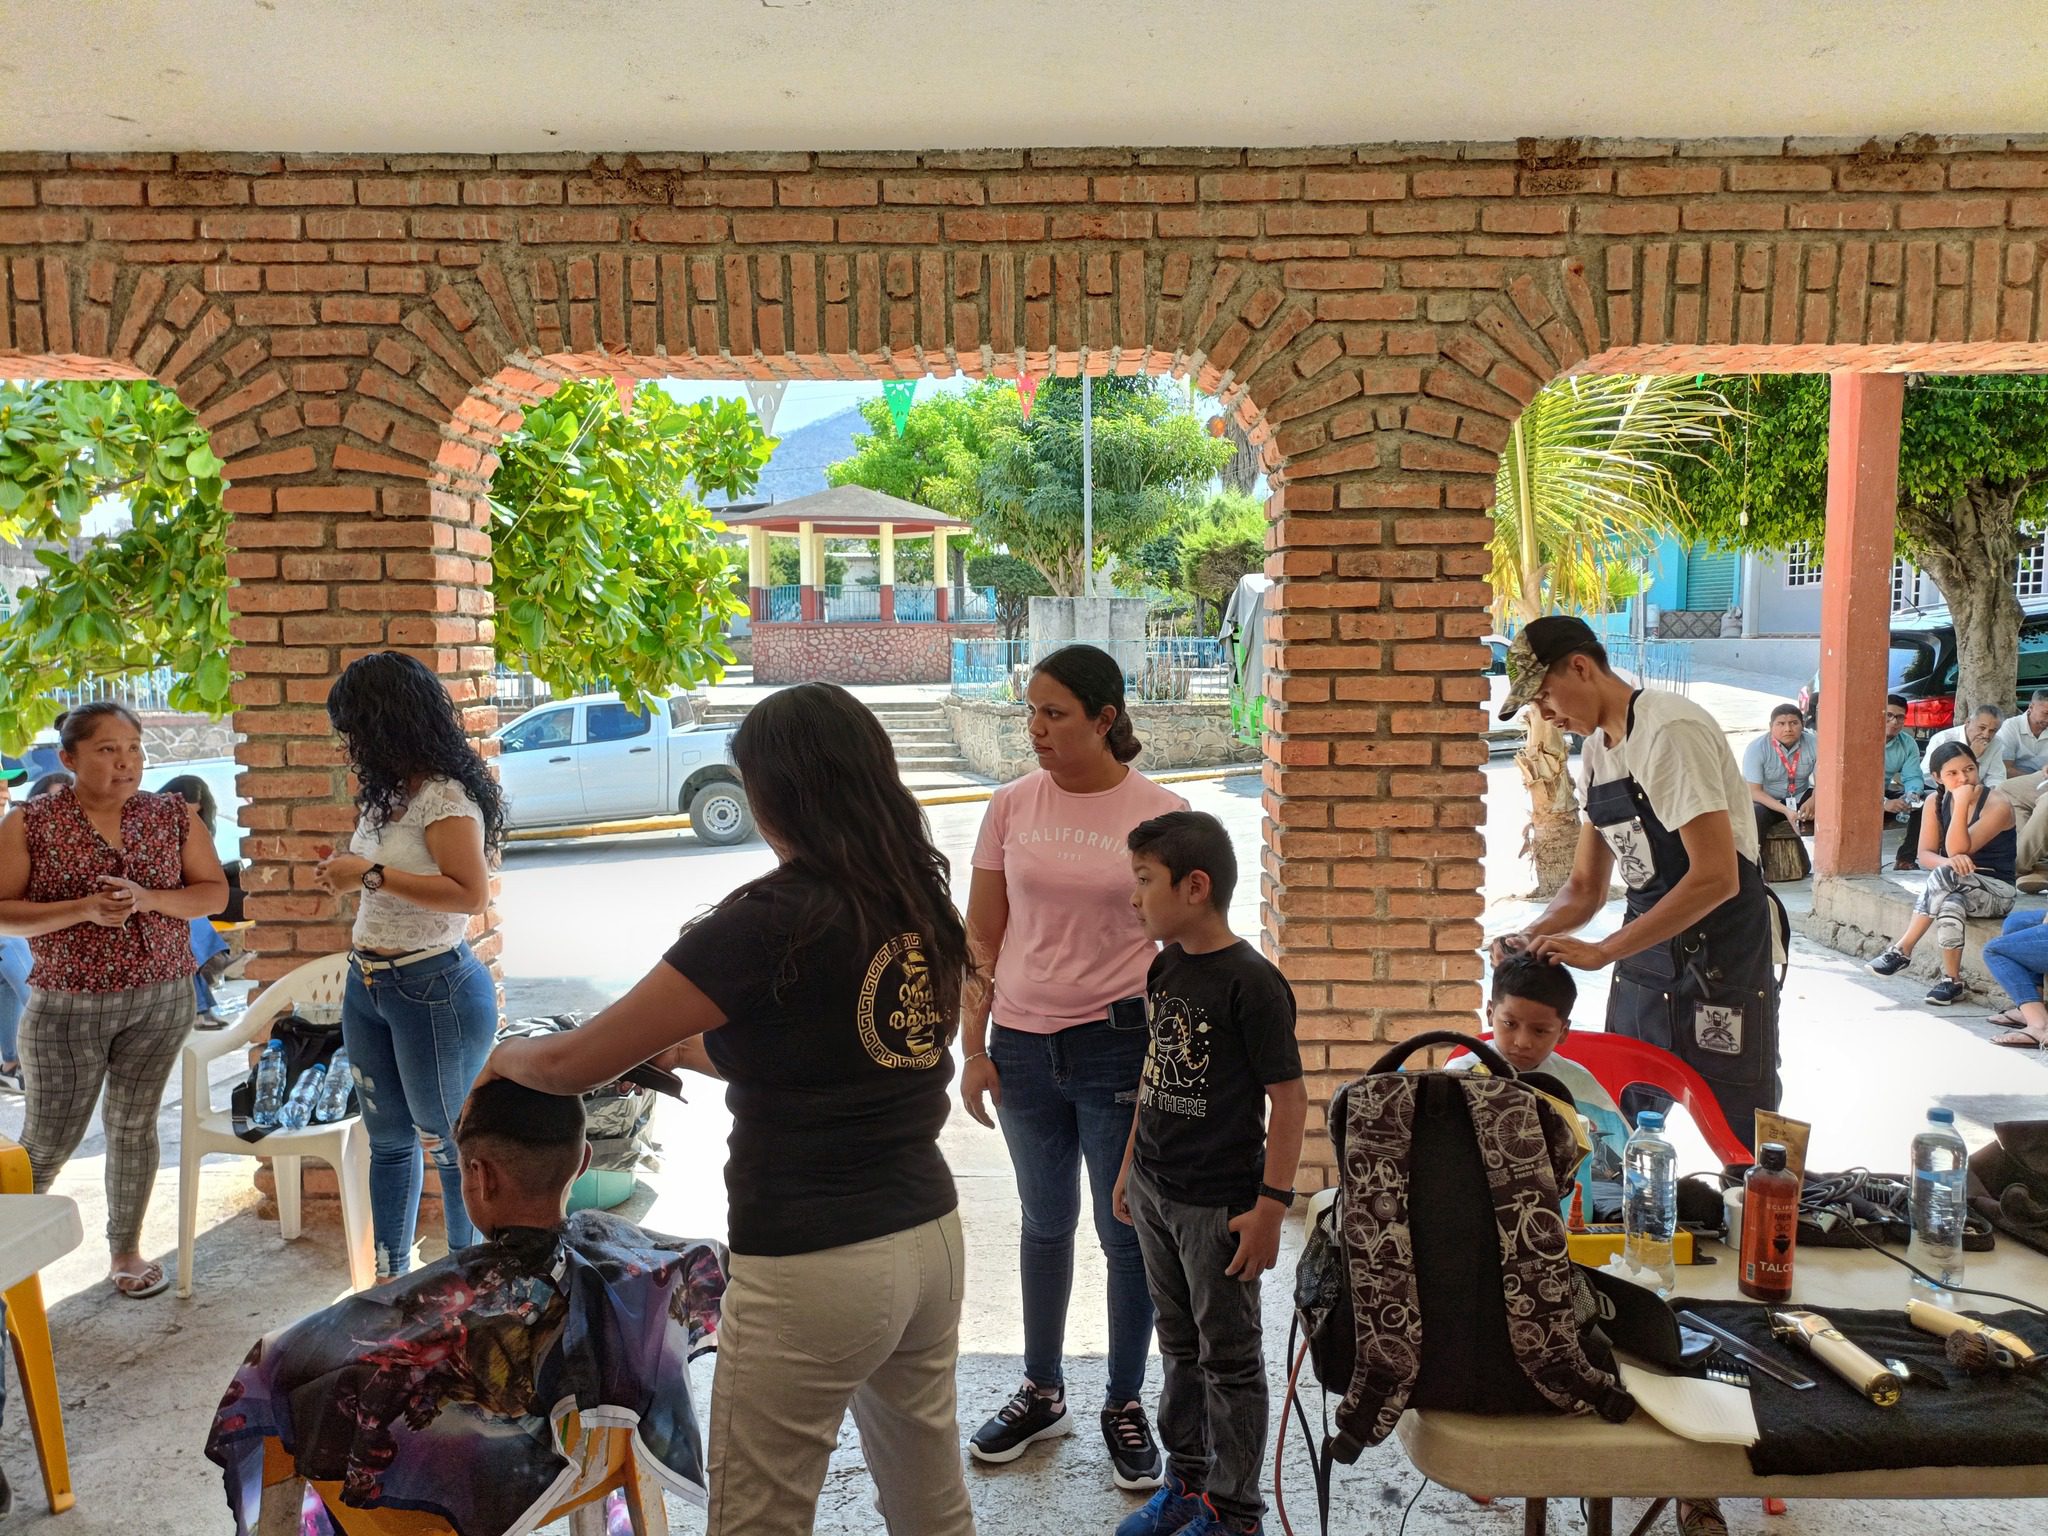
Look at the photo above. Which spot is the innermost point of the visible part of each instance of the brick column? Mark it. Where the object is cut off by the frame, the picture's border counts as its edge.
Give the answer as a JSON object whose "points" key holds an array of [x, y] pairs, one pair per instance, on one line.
{"points": [[1863, 496], [332, 564]]}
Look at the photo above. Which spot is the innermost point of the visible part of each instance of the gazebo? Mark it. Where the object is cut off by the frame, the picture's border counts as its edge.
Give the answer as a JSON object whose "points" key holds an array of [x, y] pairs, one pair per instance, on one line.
{"points": [[808, 632]]}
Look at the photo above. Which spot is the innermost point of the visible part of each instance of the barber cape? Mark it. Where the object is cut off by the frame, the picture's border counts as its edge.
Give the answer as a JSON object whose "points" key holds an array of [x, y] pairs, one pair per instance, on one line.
{"points": [[1462, 1289], [446, 1392]]}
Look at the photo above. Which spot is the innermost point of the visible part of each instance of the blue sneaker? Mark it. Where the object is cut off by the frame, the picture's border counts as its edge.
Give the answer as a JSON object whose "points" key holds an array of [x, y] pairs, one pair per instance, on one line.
{"points": [[1213, 1524], [1172, 1510]]}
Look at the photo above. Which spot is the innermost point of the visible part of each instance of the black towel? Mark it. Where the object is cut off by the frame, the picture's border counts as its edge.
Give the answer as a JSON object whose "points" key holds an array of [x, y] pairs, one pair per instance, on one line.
{"points": [[2000, 1420]]}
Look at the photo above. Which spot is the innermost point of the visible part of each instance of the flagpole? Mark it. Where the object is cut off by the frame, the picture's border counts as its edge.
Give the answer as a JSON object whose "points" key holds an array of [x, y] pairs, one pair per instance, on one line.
{"points": [[1087, 485]]}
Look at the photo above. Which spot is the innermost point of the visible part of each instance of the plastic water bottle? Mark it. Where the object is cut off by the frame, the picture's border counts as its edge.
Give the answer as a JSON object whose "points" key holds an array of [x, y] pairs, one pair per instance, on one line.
{"points": [[333, 1100], [1940, 1201], [1649, 1201], [298, 1109], [269, 1085]]}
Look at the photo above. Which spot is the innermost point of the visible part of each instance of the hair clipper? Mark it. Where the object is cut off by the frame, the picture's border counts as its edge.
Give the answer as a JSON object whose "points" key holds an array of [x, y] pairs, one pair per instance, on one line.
{"points": [[1815, 1335], [1972, 1343]]}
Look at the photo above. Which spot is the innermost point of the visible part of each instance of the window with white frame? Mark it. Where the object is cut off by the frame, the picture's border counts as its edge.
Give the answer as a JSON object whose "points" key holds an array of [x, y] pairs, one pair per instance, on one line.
{"points": [[2030, 576], [1802, 566], [1905, 585]]}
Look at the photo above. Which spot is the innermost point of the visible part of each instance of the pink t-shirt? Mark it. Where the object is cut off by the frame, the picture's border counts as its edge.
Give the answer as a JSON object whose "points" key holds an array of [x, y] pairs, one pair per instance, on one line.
{"points": [[1074, 944]]}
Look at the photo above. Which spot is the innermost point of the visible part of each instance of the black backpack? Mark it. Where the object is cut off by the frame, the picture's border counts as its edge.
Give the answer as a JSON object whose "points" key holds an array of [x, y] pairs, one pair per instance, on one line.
{"points": [[1468, 1357]]}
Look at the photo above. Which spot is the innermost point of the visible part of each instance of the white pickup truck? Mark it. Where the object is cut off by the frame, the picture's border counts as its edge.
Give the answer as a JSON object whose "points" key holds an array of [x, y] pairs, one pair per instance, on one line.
{"points": [[571, 762]]}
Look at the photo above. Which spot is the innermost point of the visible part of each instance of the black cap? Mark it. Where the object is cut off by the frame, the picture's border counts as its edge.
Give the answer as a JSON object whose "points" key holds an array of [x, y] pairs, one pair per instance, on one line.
{"points": [[1772, 1156], [1541, 644]]}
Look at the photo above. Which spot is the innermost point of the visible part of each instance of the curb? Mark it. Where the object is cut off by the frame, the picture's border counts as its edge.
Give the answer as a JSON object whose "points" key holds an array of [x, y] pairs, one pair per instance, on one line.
{"points": [[924, 797]]}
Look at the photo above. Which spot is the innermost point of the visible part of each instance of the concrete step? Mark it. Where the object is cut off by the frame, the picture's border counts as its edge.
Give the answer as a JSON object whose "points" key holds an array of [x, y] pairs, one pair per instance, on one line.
{"points": [[921, 779]]}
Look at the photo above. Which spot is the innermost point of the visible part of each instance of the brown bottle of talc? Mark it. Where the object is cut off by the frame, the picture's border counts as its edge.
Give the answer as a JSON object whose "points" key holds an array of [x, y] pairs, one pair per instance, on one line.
{"points": [[1770, 1226]]}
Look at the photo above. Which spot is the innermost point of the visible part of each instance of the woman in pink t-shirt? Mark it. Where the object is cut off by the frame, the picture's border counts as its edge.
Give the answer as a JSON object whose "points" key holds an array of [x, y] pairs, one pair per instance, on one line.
{"points": [[1061, 960]]}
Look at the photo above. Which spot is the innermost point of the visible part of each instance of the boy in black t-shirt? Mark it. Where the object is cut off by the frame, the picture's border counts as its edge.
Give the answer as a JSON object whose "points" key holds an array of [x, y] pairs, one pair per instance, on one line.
{"points": [[1203, 1182]]}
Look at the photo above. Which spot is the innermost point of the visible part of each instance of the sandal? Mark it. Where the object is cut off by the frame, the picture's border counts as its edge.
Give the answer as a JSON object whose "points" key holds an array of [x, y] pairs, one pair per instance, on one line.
{"points": [[1699, 1517], [2020, 1040], [135, 1284], [2012, 1018]]}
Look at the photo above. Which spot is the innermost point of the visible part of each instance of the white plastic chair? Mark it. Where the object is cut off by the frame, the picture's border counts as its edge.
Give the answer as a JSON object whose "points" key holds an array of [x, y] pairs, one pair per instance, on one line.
{"points": [[343, 1145]]}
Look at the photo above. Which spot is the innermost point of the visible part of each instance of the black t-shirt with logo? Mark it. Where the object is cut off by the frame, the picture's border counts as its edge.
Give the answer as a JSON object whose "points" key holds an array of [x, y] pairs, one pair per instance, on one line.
{"points": [[836, 1062], [1222, 1031]]}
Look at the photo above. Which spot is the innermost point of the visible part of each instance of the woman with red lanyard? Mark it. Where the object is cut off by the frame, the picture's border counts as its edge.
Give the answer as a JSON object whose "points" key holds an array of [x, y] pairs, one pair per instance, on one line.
{"points": [[103, 880], [1055, 1034]]}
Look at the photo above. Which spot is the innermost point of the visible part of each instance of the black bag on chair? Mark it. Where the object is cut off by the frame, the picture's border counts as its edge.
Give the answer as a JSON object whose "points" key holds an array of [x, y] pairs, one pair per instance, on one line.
{"points": [[306, 1045]]}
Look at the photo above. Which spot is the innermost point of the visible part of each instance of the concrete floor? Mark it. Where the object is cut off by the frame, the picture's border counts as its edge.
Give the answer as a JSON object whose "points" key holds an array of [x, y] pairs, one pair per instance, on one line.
{"points": [[1863, 1059]]}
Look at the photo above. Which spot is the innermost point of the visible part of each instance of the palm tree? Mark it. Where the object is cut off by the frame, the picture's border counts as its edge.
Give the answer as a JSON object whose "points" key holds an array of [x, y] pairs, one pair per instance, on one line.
{"points": [[1583, 495]]}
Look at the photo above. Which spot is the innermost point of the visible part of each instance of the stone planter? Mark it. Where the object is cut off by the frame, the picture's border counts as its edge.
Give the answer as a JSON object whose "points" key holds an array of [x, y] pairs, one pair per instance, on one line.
{"points": [[991, 736]]}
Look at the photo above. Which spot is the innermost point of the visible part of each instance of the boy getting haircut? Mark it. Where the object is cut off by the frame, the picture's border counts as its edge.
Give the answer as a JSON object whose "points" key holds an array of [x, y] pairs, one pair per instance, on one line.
{"points": [[537, 1137], [1537, 980], [1185, 841]]}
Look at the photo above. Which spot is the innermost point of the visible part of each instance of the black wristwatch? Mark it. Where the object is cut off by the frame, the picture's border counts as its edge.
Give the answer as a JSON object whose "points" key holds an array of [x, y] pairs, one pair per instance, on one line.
{"points": [[373, 878], [1284, 1196]]}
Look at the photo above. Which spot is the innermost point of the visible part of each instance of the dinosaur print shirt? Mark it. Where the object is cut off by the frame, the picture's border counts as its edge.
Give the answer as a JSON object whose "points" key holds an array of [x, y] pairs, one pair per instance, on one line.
{"points": [[1222, 1031]]}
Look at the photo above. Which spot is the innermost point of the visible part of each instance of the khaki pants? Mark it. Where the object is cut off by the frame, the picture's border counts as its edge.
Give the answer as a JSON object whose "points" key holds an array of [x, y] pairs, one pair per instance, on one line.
{"points": [[2030, 817], [874, 1326]]}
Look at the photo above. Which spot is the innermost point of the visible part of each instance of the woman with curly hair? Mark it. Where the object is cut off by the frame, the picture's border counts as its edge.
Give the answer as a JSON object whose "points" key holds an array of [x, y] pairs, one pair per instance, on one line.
{"points": [[420, 1009]]}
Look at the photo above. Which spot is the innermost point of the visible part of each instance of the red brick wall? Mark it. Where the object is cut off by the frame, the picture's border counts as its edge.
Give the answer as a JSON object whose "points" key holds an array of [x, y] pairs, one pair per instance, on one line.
{"points": [[859, 653], [358, 330]]}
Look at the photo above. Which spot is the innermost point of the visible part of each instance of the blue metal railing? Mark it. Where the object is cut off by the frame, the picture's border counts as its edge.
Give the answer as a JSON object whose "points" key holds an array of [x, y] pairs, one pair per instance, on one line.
{"points": [[917, 605], [852, 605], [1160, 669], [779, 605]]}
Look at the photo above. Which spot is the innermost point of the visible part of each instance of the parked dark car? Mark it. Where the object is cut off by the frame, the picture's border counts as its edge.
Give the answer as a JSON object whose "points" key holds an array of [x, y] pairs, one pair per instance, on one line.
{"points": [[1922, 666]]}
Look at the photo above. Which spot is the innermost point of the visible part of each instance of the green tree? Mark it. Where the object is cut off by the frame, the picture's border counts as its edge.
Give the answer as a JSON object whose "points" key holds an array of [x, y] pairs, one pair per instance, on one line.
{"points": [[1015, 582], [1151, 459], [937, 459], [1973, 492], [1586, 488], [973, 456], [786, 567], [606, 566], [1226, 543]]}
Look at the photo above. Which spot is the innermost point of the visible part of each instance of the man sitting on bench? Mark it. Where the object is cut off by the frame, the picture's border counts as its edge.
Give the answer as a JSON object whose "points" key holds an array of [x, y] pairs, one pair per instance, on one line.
{"points": [[443, 1392]]}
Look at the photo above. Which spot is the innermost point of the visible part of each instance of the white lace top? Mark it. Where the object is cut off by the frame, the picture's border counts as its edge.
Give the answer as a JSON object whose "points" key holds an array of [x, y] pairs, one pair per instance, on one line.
{"points": [[387, 921]]}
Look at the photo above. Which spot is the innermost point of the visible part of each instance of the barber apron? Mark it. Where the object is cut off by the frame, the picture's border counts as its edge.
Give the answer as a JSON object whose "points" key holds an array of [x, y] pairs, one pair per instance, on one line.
{"points": [[1708, 995]]}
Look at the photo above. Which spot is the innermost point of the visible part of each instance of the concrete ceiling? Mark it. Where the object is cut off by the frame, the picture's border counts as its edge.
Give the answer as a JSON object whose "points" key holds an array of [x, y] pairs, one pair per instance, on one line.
{"points": [[536, 75]]}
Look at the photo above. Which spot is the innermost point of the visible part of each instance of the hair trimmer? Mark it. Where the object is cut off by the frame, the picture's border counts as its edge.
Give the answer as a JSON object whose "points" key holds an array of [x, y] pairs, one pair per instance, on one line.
{"points": [[1973, 1344], [1816, 1336]]}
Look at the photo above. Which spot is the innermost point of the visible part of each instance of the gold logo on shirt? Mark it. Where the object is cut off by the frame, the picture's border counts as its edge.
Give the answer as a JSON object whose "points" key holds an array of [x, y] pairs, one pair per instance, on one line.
{"points": [[914, 1022]]}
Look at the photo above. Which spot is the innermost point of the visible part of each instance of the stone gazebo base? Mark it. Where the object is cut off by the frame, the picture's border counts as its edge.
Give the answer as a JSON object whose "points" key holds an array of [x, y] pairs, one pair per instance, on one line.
{"points": [[859, 653]]}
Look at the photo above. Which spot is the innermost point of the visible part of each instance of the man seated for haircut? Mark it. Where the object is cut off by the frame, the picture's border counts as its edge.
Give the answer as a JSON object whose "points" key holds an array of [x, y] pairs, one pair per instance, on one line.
{"points": [[1778, 767], [445, 1392]]}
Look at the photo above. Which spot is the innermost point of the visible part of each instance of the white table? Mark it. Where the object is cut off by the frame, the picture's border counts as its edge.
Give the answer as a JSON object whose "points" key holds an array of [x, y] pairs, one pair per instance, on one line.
{"points": [[35, 1231], [1535, 1458]]}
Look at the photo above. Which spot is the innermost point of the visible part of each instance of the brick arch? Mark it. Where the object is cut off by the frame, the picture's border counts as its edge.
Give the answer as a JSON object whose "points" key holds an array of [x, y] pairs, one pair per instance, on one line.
{"points": [[358, 331]]}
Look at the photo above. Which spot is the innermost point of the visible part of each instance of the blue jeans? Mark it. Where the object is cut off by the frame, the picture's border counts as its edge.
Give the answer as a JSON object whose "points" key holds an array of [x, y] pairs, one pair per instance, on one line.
{"points": [[14, 968], [206, 943], [416, 1038], [2018, 957], [1068, 1098]]}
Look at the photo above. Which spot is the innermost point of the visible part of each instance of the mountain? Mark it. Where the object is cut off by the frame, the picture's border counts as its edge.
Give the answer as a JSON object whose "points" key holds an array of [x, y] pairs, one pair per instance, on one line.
{"points": [[802, 456]]}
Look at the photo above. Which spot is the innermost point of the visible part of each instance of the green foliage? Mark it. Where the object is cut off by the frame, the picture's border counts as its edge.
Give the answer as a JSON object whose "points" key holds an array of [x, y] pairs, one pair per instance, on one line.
{"points": [[1765, 488], [786, 565], [972, 455], [154, 594], [1226, 542], [606, 569], [1015, 581], [1587, 487], [1151, 459], [936, 460], [1973, 491]]}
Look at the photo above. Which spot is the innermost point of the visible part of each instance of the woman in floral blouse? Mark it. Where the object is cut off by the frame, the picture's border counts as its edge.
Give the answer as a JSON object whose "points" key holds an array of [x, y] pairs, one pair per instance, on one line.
{"points": [[103, 881]]}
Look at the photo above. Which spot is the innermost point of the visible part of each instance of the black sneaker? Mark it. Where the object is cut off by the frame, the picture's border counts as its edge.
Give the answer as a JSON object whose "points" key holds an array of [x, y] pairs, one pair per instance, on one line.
{"points": [[1029, 1416], [1890, 963], [1135, 1460], [1945, 991]]}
